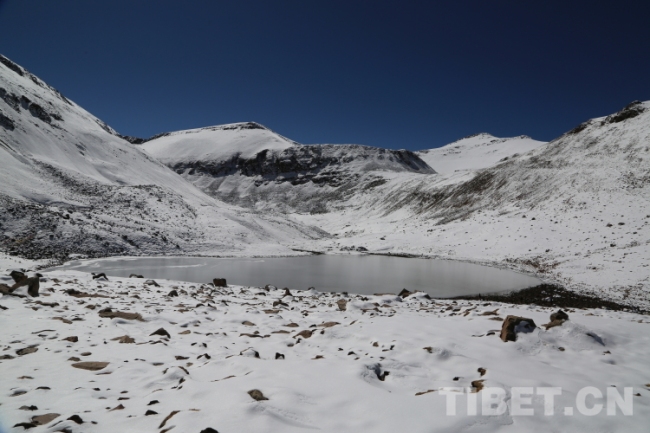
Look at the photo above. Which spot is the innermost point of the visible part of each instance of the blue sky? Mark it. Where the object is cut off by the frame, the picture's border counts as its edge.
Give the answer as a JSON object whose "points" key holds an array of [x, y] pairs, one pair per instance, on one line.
{"points": [[408, 74]]}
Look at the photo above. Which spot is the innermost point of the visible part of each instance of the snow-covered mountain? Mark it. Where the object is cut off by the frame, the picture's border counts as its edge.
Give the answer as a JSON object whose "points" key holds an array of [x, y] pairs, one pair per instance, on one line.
{"points": [[476, 151], [574, 210], [247, 164], [71, 184]]}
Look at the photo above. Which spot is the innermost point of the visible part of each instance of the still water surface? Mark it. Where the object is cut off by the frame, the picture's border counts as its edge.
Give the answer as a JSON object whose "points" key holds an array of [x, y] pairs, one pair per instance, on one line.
{"points": [[327, 273]]}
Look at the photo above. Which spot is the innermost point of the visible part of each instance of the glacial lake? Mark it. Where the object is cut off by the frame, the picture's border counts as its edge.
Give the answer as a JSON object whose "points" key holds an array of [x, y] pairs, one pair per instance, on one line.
{"points": [[363, 274]]}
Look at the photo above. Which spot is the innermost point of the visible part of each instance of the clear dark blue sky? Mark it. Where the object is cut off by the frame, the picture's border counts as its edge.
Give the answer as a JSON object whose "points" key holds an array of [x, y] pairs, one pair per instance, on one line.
{"points": [[400, 74]]}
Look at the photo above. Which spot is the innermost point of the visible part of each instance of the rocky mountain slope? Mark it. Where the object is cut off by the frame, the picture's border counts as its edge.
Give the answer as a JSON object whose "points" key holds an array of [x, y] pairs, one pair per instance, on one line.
{"points": [[71, 185], [575, 210]]}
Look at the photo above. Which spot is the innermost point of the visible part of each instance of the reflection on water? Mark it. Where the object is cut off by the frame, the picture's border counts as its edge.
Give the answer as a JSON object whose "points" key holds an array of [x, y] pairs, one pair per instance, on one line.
{"points": [[354, 274]]}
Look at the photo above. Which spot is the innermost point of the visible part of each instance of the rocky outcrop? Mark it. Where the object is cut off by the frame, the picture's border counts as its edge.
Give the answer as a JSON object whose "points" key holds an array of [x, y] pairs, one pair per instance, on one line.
{"points": [[319, 164]]}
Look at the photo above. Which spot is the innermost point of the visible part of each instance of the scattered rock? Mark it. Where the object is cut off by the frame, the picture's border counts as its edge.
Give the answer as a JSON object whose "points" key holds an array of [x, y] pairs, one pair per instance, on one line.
{"points": [[150, 412], [209, 430], [404, 293], [557, 319], [559, 315], [304, 334], [247, 323], [219, 282], [120, 315], [477, 385], [17, 276], [85, 353], [44, 419], [256, 394], [135, 276], [172, 293], [79, 294], [425, 392], [101, 275], [32, 284], [328, 324], [72, 339], [279, 355], [32, 407], [125, 339], [91, 365], [167, 418], [76, 418], [515, 324], [250, 352], [25, 425], [161, 332], [6, 357], [118, 407], [482, 371], [152, 283], [342, 304], [26, 351]]}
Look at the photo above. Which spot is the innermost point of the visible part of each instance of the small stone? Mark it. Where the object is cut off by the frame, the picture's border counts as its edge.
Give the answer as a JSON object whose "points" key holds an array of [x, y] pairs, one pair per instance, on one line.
{"points": [[404, 293], [247, 323], [209, 430], [26, 351], [279, 355], [85, 353], [167, 418], [76, 418], [91, 365], [73, 339], [342, 304], [161, 332], [45, 419], [150, 412], [304, 334], [172, 293], [482, 371], [256, 394]]}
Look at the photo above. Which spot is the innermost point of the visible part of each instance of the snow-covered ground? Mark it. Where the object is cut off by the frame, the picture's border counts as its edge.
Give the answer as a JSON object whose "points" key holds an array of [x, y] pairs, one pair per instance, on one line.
{"points": [[381, 365]]}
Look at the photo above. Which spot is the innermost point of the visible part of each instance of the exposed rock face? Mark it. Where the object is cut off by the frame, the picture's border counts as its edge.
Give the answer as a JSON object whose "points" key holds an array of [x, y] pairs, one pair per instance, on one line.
{"points": [[319, 164], [514, 324]]}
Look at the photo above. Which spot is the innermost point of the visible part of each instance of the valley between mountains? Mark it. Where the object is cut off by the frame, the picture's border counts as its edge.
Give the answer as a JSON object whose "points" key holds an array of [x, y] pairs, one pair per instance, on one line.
{"points": [[98, 353], [574, 211]]}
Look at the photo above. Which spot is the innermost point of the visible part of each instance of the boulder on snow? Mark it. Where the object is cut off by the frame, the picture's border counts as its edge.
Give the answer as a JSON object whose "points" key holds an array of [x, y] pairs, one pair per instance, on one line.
{"points": [[256, 394], [32, 284], [91, 365], [404, 293], [17, 276], [515, 324], [101, 276], [110, 314], [219, 282], [135, 276], [557, 319], [342, 304]]}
